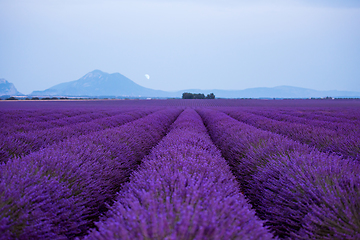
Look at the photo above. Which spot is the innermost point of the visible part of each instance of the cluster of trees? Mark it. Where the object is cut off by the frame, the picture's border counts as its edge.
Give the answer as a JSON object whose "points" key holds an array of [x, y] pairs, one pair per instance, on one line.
{"points": [[187, 95], [34, 98]]}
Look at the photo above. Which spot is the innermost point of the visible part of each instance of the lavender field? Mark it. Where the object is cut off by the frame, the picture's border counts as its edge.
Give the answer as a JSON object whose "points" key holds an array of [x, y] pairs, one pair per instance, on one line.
{"points": [[180, 169]]}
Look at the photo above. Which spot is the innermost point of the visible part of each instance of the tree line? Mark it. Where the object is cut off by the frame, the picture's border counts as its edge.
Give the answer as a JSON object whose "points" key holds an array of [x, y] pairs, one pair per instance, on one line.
{"points": [[187, 95]]}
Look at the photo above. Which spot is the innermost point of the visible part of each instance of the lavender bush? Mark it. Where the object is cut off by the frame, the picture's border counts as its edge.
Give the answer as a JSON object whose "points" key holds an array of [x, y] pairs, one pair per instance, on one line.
{"points": [[21, 144], [66, 163], [183, 190], [299, 191], [341, 126], [323, 139], [64, 187], [39, 123]]}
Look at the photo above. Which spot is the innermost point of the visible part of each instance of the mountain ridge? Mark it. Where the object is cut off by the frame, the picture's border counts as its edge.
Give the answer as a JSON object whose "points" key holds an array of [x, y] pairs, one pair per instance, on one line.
{"points": [[97, 83], [8, 88]]}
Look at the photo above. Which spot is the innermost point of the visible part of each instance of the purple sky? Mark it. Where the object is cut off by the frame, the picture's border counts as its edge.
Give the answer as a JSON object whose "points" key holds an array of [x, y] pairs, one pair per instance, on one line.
{"points": [[183, 44]]}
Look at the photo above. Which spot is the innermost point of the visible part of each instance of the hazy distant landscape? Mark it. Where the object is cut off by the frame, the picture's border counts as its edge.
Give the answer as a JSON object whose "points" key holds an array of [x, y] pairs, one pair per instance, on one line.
{"points": [[101, 84]]}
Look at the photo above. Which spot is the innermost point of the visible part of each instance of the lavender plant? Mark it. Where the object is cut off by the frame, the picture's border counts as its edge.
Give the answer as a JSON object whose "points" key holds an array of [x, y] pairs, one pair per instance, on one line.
{"points": [[64, 187], [42, 124], [323, 139], [290, 185], [341, 126], [69, 169], [183, 190], [21, 144]]}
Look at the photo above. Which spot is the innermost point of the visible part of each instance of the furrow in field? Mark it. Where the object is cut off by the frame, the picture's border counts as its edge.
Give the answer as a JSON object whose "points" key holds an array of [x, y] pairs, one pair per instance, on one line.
{"points": [[343, 128], [22, 144], [300, 192], [337, 114], [323, 139], [57, 192], [10, 117], [340, 117], [183, 189], [61, 122]]}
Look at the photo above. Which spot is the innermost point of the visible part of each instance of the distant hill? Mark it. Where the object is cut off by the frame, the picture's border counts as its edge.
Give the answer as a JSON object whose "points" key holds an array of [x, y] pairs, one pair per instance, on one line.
{"points": [[7, 88], [279, 92], [98, 83]]}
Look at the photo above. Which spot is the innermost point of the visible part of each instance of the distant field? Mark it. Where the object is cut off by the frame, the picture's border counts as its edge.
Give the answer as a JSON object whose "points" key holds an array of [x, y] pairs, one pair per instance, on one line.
{"points": [[180, 169], [105, 104]]}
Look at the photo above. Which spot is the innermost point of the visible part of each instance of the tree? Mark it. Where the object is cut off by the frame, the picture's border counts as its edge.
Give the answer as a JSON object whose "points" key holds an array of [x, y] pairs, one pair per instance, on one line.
{"points": [[11, 98], [199, 96], [187, 95], [210, 96]]}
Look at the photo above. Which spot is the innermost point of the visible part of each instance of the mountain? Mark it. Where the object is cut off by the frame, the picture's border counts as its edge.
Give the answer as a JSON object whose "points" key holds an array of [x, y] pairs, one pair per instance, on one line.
{"points": [[98, 83], [7, 88]]}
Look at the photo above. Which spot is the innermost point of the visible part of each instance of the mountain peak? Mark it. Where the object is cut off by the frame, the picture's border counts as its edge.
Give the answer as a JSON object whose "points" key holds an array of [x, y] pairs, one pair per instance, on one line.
{"points": [[3, 80], [97, 70], [99, 83], [95, 74], [7, 88]]}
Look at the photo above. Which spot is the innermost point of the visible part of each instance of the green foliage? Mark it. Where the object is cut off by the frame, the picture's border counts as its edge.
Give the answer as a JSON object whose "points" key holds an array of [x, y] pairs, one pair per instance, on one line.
{"points": [[187, 95], [210, 96], [11, 98]]}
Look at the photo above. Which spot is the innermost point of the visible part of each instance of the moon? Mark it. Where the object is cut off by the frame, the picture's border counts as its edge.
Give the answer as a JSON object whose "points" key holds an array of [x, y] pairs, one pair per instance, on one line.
{"points": [[147, 76]]}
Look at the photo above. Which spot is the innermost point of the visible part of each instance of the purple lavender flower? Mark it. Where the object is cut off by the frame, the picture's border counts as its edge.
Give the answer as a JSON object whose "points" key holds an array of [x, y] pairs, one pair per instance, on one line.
{"points": [[299, 191], [59, 191], [183, 190]]}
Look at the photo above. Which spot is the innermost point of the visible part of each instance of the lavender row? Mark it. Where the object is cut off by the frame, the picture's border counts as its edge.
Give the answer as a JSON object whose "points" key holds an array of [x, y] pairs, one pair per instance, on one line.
{"points": [[57, 192], [344, 127], [60, 122], [300, 192], [311, 115], [21, 144], [323, 139], [10, 117], [334, 115], [340, 116], [183, 190]]}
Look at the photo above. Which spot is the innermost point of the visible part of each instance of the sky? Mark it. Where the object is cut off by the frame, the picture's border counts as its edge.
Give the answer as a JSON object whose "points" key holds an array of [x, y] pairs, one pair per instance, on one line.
{"points": [[183, 44]]}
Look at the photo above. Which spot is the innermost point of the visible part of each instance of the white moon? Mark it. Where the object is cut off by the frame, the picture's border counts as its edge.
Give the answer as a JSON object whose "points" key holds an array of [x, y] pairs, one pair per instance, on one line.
{"points": [[147, 76]]}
